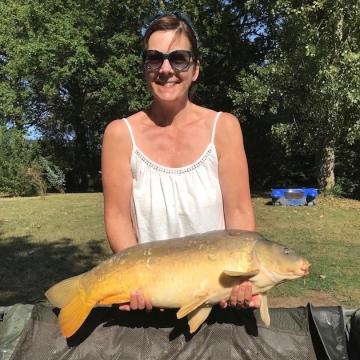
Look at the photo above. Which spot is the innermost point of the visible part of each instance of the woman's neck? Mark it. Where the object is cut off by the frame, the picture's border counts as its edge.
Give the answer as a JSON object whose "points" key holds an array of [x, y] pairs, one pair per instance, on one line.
{"points": [[163, 115]]}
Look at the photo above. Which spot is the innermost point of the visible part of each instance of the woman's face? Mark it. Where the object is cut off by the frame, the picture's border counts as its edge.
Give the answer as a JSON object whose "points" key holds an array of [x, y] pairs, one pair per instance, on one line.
{"points": [[165, 83]]}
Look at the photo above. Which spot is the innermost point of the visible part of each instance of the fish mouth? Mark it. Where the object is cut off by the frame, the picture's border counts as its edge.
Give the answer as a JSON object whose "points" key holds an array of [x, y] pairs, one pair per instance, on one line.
{"points": [[305, 268]]}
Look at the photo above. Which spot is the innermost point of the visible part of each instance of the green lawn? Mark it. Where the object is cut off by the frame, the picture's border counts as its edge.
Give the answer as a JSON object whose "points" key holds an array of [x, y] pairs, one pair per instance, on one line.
{"points": [[44, 240]]}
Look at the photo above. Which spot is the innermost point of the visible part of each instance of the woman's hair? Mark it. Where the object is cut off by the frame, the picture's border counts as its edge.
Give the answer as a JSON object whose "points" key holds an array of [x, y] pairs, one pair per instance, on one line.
{"points": [[173, 21]]}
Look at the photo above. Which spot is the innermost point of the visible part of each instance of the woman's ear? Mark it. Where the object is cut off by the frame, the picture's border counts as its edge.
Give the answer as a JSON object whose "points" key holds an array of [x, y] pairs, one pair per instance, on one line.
{"points": [[196, 71]]}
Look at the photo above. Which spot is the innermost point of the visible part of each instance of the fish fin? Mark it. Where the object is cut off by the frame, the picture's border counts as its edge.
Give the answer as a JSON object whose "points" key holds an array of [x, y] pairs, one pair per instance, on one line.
{"points": [[242, 274], [73, 315], [115, 299], [188, 308], [197, 317], [63, 292], [264, 310]]}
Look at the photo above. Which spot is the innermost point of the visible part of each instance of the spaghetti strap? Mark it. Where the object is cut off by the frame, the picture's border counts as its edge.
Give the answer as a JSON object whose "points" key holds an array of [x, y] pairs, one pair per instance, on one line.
{"points": [[130, 131], [214, 126]]}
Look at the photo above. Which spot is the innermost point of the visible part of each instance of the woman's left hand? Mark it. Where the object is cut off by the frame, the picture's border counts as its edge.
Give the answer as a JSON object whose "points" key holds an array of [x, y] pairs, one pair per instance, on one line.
{"points": [[241, 297]]}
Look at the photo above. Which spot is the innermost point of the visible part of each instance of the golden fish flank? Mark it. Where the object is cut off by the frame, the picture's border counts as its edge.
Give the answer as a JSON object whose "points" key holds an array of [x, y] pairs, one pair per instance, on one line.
{"points": [[192, 273]]}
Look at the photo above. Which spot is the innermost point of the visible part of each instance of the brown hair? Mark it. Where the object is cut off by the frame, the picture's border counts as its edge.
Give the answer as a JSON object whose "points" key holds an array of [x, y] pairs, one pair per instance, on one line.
{"points": [[172, 22]]}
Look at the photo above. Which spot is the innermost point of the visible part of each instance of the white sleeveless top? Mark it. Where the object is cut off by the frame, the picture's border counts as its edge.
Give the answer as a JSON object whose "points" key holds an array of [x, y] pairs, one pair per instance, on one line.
{"points": [[174, 202]]}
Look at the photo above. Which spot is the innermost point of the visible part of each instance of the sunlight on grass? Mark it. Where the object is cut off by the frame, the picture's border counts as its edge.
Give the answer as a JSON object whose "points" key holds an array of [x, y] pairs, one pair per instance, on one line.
{"points": [[327, 235]]}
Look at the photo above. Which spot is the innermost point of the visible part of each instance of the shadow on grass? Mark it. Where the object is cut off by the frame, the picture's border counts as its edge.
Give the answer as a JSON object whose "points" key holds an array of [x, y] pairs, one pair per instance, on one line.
{"points": [[27, 269], [260, 194]]}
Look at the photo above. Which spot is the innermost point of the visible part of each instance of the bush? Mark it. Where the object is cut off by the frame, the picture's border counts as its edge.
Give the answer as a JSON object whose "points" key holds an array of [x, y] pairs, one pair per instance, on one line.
{"points": [[54, 176], [33, 182], [336, 191], [17, 156]]}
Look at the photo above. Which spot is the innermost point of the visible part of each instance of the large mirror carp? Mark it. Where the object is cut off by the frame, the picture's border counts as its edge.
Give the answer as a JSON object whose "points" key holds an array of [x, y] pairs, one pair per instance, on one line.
{"points": [[191, 273]]}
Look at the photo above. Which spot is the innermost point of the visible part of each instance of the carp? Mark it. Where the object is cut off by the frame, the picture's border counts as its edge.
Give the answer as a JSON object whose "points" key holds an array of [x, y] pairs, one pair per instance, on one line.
{"points": [[191, 273]]}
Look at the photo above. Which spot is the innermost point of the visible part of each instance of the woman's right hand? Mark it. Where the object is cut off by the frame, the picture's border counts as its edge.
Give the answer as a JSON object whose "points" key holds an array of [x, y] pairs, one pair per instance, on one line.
{"points": [[137, 302]]}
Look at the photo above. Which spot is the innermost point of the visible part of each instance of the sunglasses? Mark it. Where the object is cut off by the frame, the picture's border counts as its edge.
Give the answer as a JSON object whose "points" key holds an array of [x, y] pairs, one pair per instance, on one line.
{"points": [[178, 59]]}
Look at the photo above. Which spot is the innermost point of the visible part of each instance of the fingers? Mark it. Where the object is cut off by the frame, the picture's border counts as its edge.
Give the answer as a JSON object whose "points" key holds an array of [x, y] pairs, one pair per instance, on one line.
{"points": [[241, 297], [148, 305], [125, 307], [255, 301], [234, 296], [244, 294], [137, 302]]}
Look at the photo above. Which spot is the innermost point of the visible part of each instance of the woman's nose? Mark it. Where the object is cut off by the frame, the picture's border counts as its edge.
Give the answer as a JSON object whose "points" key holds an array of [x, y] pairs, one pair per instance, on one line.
{"points": [[166, 67]]}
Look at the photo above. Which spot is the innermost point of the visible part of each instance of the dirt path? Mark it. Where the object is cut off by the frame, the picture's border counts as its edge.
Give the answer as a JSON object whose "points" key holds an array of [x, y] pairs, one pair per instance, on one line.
{"points": [[316, 298]]}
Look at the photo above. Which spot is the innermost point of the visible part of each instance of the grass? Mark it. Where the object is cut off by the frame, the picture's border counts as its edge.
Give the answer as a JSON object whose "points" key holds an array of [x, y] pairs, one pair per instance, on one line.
{"points": [[46, 239], [327, 235]]}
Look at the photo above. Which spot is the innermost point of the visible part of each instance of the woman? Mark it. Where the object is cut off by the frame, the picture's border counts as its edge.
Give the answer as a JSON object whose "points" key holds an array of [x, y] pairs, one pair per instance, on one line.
{"points": [[175, 168]]}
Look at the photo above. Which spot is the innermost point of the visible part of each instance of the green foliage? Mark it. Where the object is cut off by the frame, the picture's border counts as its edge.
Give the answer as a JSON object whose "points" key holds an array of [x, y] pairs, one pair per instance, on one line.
{"points": [[54, 175], [310, 79], [68, 69], [288, 70], [19, 171], [336, 190], [33, 183], [347, 169]]}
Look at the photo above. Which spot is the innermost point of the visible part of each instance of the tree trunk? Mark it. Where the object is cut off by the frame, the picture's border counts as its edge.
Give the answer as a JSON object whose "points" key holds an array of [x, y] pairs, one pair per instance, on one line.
{"points": [[326, 165]]}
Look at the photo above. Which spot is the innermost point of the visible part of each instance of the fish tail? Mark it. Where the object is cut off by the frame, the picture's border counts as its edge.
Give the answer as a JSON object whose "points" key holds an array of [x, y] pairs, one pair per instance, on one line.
{"points": [[74, 310], [63, 292], [73, 315]]}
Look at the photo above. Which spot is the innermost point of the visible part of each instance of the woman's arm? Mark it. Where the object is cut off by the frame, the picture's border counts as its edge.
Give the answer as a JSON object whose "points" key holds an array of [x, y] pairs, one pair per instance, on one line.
{"points": [[234, 174], [117, 186], [117, 189], [234, 182]]}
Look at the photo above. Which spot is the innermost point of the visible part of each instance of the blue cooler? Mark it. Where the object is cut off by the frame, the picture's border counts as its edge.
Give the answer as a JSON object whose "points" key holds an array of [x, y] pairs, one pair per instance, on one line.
{"points": [[294, 197]]}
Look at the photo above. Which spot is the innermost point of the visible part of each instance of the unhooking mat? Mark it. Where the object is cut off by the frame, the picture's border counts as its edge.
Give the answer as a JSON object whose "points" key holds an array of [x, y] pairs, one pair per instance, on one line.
{"points": [[304, 333], [353, 332]]}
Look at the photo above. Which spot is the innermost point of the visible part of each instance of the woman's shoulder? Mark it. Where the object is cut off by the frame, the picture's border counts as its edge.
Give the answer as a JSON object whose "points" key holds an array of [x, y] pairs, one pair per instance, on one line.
{"points": [[209, 114], [227, 123], [228, 132], [203, 112], [119, 127]]}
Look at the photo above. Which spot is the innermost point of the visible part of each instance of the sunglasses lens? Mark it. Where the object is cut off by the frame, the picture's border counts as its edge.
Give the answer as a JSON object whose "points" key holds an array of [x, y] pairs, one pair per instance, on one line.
{"points": [[153, 59], [179, 59]]}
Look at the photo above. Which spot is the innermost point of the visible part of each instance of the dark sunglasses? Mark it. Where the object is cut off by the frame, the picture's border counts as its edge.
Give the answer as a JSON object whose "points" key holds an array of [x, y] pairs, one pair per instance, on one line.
{"points": [[178, 59]]}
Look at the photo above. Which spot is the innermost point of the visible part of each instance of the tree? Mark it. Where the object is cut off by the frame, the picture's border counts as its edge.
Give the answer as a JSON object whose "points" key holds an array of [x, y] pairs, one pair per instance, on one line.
{"points": [[310, 81], [66, 70]]}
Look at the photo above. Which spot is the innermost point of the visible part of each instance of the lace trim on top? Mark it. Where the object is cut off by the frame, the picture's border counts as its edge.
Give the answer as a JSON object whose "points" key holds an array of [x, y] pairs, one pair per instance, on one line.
{"points": [[168, 170]]}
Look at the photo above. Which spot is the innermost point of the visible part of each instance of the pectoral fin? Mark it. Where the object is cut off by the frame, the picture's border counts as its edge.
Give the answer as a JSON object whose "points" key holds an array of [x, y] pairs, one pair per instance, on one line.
{"points": [[264, 310], [197, 317], [242, 274], [188, 308]]}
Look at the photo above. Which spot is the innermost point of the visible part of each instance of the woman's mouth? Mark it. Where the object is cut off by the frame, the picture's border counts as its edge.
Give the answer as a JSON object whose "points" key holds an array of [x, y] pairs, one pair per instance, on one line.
{"points": [[167, 83]]}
